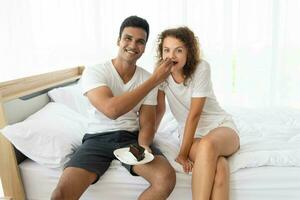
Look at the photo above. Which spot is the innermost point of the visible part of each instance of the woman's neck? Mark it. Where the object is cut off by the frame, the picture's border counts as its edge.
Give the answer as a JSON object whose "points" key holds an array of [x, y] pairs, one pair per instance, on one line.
{"points": [[178, 76]]}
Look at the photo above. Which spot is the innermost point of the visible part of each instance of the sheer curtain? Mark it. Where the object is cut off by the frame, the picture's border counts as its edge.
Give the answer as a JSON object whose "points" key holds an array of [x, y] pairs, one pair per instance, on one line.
{"points": [[253, 46]]}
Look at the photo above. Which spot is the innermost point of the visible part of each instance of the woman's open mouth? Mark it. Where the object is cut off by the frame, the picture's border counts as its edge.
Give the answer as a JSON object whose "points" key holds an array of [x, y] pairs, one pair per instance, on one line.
{"points": [[175, 62]]}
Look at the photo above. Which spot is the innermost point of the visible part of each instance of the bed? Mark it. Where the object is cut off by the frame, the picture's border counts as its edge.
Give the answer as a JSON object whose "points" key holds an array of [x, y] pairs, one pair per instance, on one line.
{"points": [[43, 118]]}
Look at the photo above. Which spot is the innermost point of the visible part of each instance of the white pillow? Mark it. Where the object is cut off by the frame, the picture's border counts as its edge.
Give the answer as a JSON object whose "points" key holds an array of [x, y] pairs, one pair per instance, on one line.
{"points": [[48, 136], [72, 97]]}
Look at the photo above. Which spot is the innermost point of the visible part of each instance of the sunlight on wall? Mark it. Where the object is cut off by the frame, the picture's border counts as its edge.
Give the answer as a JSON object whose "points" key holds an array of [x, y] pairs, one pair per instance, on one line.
{"points": [[252, 46]]}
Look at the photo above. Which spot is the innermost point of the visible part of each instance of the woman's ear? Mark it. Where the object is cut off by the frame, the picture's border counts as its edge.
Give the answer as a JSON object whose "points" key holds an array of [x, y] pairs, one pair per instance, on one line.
{"points": [[118, 41]]}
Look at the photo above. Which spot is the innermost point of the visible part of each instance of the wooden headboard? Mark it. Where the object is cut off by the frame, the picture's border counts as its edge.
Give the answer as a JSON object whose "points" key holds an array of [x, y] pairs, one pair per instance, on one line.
{"points": [[19, 99]]}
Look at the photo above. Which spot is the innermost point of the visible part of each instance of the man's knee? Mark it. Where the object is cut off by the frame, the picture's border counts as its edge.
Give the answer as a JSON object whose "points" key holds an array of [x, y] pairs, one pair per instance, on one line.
{"points": [[165, 181], [57, 194]]}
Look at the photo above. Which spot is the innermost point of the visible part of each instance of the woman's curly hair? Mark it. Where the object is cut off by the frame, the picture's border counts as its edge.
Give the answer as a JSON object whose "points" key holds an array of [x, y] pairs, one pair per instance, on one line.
{"points": [[185, 35]]}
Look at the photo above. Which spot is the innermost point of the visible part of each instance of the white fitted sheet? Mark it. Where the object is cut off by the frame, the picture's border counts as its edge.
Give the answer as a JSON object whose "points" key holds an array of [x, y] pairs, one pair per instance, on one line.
{"points": [[267, 166], [260, 183]]}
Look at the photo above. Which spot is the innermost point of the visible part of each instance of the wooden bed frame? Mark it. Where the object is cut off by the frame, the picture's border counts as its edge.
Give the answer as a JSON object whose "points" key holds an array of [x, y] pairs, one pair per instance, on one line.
{"points": [[17, 91]]}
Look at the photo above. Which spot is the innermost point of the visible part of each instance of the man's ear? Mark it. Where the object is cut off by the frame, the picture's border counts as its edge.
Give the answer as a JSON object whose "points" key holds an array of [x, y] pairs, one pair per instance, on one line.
{"points": [[118, 42]]}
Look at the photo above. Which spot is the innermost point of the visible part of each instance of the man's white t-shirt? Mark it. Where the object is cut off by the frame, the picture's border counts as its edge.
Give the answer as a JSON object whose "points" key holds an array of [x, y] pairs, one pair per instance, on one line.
{"points": [[179, 99], [106, 75]]}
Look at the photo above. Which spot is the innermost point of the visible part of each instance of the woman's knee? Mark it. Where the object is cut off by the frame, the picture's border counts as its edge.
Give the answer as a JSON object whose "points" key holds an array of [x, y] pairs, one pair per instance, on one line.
{"points": [[207, 147]]}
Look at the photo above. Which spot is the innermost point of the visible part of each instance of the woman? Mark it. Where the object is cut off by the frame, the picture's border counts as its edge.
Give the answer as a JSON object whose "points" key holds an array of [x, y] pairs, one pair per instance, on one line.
{"points": [[208, 134]]}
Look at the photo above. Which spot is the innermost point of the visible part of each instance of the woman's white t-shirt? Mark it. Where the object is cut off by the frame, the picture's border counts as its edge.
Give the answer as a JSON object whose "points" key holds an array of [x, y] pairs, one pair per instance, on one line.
{"points": [[179, 99], [106, 75]]}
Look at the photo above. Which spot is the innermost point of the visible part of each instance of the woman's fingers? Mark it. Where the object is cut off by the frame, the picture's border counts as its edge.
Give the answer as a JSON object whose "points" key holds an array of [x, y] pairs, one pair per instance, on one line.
{"points": [[190, 166], [187, 165]]}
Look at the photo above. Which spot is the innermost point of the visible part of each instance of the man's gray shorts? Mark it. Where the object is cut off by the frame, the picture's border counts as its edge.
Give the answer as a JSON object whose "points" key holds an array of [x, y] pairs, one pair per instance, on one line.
{"points": [[96, 152]]}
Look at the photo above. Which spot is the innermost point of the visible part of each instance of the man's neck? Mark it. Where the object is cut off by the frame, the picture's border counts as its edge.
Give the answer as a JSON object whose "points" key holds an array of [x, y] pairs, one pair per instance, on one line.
{"points": [[125, 69]]}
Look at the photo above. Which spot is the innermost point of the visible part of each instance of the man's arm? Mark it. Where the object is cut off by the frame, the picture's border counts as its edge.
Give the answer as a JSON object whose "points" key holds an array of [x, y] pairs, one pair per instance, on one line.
{"points": [[147, 125], [113, 107]]}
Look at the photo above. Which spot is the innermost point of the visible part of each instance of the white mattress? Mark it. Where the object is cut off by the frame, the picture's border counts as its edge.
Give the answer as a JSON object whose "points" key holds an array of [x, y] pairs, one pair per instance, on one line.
{"points": [[267, 166], [265, 183]]}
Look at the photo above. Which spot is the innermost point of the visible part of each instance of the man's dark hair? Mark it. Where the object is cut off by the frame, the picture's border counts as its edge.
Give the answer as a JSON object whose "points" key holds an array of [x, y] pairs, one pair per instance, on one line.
{"points": [[135, 21]]}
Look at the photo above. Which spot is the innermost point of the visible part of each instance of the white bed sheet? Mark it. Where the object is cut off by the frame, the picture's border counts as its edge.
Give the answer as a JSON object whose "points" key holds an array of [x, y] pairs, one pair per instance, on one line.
{"points": [[115, 184], [268, 137], [261, 183], [267, 167]]}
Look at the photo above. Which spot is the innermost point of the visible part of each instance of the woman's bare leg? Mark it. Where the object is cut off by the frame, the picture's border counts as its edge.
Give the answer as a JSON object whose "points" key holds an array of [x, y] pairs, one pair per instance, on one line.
{"points": [[205, 153], [221, 183]]}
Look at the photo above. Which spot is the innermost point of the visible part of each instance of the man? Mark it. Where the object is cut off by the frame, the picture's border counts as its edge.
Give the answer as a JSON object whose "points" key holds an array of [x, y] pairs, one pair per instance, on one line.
{"points": [[123, 110]]}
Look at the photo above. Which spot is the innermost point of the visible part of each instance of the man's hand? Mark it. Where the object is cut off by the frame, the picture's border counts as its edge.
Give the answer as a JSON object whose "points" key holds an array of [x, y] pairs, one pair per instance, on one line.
{"points": [[147, 148], [187, 165], [163, 70]]}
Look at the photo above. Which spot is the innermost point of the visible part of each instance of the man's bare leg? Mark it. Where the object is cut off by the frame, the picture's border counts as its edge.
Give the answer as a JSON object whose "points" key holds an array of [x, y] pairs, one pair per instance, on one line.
{"points": [[72, 183], [161, 176]]}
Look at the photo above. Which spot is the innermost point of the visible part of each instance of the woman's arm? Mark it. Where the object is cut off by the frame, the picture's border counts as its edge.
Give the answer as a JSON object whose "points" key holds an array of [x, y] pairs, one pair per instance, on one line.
{"points": [[160, 108], [189, 132]]}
